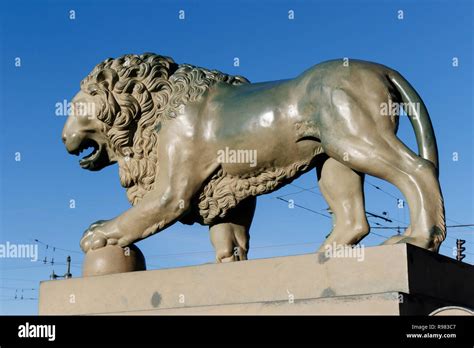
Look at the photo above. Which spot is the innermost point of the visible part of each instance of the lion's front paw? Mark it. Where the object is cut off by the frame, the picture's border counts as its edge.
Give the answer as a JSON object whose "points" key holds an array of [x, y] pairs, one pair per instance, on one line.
{"points": [[98, 235]]}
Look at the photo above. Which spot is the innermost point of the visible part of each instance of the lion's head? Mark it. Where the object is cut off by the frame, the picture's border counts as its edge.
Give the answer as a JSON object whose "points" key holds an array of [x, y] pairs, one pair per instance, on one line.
{"points": [[119, 109]]}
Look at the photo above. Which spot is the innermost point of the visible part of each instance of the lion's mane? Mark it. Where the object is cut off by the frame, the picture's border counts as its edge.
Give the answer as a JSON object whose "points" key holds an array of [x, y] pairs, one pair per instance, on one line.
{"points": [[137, 93]]}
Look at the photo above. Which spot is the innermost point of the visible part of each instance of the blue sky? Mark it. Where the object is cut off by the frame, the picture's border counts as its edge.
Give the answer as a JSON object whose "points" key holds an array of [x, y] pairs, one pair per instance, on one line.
{"points": [[57, 52]]}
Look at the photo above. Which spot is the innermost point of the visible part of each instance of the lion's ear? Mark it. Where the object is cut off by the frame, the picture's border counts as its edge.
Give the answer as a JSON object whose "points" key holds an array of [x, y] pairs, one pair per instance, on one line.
{"points": [[107, 77]]}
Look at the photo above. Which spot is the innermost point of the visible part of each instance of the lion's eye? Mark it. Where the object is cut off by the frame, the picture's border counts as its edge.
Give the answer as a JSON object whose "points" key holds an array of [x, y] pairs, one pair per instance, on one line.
{"points": [[93, 91]]}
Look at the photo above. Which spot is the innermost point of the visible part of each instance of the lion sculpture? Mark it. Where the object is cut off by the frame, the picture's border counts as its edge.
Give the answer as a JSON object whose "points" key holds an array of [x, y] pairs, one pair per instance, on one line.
{"points": [[167, 126]]}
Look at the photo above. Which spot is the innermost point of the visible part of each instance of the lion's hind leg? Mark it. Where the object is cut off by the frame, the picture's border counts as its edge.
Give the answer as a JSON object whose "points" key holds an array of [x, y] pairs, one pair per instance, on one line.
{"points": [[230, 235], [386, 157], [343, 190]]}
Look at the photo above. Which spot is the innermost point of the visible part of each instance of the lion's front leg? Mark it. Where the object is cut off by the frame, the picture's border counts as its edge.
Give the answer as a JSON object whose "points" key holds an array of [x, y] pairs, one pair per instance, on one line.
{"points": [[176, 184], [157, 210], [106, 232]]}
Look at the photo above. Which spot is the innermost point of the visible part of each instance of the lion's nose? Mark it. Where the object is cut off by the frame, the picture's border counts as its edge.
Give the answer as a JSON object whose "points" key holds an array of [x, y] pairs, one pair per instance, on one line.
{"points": [[72, 142]]}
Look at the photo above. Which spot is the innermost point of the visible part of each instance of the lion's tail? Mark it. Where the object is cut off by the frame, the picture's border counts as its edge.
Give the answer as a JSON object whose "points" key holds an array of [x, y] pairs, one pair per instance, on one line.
{"points": [[425, 138], [419, 118]]}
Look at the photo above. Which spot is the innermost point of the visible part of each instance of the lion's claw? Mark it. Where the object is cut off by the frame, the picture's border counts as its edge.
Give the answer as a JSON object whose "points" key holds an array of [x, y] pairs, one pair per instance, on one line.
{"points": [[94, 237]]}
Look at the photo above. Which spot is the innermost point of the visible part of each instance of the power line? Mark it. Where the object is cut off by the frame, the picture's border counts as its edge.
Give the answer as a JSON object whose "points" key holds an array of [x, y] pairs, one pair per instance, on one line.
{"points": [[381, 227], [310, 190], [456, 222], [316, 193], [458, 226], [378, 216], [380, 189], [302, 207], [462, 225], [369, 213], [302, 190], [379, 235], [327, 216], [319, 194], [57, 248]]}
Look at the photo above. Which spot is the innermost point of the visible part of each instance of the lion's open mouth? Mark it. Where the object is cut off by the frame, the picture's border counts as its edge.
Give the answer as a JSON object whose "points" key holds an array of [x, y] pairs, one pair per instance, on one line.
{"points": [[91, 160]]}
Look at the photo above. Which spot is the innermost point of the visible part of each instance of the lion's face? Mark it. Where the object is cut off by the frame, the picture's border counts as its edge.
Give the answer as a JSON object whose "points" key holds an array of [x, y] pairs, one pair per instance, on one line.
{"points": [[83, 131]]}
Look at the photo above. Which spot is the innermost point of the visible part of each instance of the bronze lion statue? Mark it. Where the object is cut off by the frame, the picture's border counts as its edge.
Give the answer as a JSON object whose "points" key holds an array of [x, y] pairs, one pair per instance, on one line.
{"points": [[197, 145]]}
